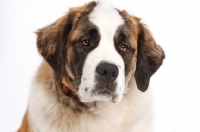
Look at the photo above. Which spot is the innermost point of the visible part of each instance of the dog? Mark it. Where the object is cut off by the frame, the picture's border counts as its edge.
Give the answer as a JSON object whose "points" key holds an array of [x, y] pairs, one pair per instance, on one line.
{"points": [[97, 65]]}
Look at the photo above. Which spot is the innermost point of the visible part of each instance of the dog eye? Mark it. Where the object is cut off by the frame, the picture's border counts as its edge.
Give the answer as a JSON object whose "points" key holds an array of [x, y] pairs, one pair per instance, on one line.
{"points": [[85, 42], [123, 48]]}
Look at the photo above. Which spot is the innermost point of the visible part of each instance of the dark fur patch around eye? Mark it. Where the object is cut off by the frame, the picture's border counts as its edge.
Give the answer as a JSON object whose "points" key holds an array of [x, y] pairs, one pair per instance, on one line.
{"points": [[122, 38]]}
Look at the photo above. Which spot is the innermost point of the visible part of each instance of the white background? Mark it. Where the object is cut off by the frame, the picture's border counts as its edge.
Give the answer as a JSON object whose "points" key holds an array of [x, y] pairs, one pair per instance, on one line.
{"points": [[175, 24]]}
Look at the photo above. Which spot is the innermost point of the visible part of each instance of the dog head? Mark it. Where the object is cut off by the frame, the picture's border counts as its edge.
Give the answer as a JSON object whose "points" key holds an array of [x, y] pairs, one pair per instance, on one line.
{"points": [[99, 47]]}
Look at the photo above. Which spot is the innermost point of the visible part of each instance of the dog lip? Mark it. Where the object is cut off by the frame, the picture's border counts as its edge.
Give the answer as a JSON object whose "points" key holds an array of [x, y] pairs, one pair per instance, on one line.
{"points": [[106, 92], [115, 99], [103, 92]]}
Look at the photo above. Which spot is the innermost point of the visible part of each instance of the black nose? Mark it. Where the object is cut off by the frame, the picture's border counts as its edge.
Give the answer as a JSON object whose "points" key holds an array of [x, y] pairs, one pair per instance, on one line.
{"points": [[108, 72]]}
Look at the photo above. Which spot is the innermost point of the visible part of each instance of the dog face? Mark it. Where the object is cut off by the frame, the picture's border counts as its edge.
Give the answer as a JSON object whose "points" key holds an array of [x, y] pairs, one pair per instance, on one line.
{"points": [[99, 47]]}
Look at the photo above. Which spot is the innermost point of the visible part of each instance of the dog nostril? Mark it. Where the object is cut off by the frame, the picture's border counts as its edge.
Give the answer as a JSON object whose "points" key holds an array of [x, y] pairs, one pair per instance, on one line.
{"points": [[113, 74], [104, 73]]}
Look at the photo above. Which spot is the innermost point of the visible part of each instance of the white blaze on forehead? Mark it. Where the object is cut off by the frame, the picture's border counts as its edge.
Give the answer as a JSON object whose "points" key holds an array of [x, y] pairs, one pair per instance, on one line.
{"points": [[107, 19]]}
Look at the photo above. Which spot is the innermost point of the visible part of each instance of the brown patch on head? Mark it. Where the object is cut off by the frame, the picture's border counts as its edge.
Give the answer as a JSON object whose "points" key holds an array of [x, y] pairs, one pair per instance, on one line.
{"points": [[52, 40], [127, 35], [149, 55]]}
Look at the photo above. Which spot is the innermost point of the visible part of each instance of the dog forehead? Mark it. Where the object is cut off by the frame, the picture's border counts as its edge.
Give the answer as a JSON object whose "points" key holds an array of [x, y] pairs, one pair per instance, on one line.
{"points": [[106, 18]]}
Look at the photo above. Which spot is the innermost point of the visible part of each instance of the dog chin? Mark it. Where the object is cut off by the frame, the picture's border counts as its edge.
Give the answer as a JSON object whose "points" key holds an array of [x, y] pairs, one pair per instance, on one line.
{"points": [[102, 98]]}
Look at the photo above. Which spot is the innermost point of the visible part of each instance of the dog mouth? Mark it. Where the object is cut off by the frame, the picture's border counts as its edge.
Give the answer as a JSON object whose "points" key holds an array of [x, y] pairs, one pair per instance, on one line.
{"points": [[101, 91], [104, 92], [108, 94], [99, 94]]}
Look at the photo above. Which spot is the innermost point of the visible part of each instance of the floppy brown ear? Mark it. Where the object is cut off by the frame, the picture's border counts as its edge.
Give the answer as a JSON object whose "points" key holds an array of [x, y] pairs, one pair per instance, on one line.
{"points": [[51, 44], [149, 58]]}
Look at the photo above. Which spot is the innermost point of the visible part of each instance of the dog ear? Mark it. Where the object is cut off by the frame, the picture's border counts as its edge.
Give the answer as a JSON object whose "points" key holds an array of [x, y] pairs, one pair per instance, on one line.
{"points": [[149, 58], [51, 44]]}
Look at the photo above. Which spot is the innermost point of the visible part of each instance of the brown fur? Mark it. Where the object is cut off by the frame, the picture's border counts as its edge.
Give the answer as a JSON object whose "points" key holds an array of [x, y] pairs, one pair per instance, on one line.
{"points": [[25, 124]]}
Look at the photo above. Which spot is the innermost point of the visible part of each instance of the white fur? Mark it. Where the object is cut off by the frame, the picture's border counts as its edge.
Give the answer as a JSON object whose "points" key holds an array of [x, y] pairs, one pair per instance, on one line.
{"points": [[107, 19], [132, 114]]}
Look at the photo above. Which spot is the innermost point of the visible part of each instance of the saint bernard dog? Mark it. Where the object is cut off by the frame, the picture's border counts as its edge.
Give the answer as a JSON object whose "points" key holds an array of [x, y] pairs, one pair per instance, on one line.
{"points": [[95, 76]]}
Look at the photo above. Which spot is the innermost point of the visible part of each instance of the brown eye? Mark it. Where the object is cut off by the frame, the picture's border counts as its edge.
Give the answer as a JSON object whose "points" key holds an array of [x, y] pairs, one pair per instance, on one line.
{"points": [[123, 48], [86, 42]]}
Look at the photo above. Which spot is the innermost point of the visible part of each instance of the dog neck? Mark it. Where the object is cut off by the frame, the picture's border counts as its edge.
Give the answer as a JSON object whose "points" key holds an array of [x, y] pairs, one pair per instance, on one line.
{"points": [[68, 92]]}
